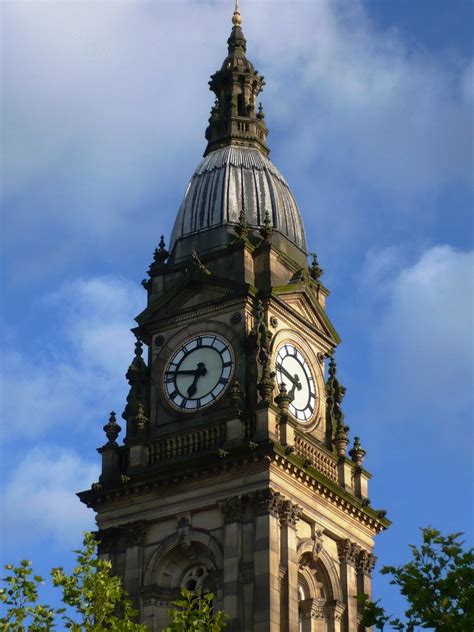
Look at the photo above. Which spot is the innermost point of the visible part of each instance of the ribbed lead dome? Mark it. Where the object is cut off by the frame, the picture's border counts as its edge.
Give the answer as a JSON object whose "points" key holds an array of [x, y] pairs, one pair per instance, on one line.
{"points": [[233, 179]]}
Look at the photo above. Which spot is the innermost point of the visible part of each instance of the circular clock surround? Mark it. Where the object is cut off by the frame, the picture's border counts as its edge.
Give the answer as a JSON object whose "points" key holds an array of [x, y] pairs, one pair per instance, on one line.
{"points": [[198, 373], [293, 369]]}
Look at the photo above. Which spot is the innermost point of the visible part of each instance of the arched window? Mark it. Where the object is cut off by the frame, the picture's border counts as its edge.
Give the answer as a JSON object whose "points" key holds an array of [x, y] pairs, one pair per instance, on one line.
{"points": [[318, 591]]}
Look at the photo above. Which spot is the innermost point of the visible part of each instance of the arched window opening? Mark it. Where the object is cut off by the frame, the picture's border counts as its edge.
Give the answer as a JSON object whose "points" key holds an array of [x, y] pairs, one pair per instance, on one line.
{"points": [[194, 578]]}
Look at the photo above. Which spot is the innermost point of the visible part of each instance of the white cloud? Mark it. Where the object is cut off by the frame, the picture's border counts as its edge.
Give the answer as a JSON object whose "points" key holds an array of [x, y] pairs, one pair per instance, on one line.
{"points": [[104, 121], [39, 499], [359, 100], [423, 344], [79, 373]]}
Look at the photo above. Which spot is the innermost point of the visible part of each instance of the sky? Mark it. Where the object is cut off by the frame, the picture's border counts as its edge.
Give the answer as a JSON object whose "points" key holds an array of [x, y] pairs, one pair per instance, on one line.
{"points": [[103, 112]]}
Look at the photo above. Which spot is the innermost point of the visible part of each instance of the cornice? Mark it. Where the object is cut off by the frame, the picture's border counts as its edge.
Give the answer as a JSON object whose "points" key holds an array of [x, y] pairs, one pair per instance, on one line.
{"points": [[330, 491], [215, 463]]}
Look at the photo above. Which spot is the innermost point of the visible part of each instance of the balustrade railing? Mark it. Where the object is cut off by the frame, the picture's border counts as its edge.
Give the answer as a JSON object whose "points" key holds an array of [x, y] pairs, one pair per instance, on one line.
{"points": [[184, 445], [321, 461]]}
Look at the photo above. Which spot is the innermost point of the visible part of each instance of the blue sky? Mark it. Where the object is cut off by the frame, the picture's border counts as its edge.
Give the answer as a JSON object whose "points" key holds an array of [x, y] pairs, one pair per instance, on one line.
{"points": [[369, 106]]}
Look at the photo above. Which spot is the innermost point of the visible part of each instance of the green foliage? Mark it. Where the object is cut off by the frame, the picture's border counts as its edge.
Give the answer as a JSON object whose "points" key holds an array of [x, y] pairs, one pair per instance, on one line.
{"points": [[97, 596], [438, 584], [194, 613], [20, 598], [96, 599]]}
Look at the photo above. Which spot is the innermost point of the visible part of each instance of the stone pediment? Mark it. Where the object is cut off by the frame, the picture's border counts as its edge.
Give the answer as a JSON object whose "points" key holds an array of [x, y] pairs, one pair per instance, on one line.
{"points": [[189, 295], [307, 308]]}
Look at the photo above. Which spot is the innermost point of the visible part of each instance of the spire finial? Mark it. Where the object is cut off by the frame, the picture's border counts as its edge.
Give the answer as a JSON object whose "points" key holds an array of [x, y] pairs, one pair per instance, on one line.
{"points": [[236, 18]]}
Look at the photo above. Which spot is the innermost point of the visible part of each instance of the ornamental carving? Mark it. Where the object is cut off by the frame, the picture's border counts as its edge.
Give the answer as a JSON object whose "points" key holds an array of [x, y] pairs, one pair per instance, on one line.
{"points": [[159, 596], [289, 513], [313, 608], [232, 509], [184, 536], [135, 533], [267, 501], [107, 540], [348, 551], [365, 562], [335, 610], [310, 558]]}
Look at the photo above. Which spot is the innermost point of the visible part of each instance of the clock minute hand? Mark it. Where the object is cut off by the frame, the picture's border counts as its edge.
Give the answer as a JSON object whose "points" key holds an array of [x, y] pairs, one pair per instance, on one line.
{"points": [[201, 370]]}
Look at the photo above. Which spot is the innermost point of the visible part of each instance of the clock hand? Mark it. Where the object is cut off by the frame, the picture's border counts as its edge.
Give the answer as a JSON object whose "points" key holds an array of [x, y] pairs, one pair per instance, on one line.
{"points": [[192, 372], [201, 370], [294, 379]]}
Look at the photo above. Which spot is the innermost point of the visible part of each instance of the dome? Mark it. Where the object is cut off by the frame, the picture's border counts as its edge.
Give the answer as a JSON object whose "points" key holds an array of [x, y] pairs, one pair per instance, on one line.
{"points": [[233, 179]]}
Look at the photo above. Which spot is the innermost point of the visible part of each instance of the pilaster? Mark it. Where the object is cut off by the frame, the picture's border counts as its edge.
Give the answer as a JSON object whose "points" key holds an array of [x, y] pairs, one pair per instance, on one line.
{"points": [[267, 561], [289, 514], [364, 564], [232, 511], [348, 552]]}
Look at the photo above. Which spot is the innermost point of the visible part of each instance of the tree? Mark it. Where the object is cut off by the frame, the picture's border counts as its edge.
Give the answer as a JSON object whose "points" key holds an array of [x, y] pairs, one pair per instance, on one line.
{"points": [[195, 613], [95, 598], [438, 584]]}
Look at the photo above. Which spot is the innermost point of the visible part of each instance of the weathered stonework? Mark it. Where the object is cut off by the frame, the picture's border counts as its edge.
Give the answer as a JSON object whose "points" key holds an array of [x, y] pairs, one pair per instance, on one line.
{"points": [[237, 494]]}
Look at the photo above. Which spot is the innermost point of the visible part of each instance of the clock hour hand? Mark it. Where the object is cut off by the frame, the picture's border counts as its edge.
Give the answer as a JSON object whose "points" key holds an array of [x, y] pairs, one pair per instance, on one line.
{"points": [[294, 379], [201, 370]]}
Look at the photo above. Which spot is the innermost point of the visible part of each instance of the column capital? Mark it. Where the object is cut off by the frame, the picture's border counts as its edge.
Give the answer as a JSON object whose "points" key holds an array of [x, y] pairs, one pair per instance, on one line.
{"points": [[267, 501], [348, 551], [232, 509], [335, 610], [135, 533], [365, 562], [289, 513]]}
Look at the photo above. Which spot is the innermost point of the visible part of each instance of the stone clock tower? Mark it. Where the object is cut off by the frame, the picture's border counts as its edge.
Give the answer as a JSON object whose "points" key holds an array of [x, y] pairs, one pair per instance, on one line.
{"points": [[235, 474]]}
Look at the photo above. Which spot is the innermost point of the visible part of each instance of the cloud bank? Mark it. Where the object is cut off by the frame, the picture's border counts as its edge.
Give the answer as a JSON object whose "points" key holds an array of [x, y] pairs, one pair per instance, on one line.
{"points": [[103, 134]]}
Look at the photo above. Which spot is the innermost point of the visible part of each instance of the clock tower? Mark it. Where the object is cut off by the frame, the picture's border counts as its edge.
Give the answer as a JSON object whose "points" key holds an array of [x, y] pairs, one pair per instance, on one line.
{"points": [[236, 474]]}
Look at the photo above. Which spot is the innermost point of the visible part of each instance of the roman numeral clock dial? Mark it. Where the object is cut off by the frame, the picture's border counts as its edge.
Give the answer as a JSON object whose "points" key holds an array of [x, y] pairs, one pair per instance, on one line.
{"points": [[293, 369], [198, 373]]}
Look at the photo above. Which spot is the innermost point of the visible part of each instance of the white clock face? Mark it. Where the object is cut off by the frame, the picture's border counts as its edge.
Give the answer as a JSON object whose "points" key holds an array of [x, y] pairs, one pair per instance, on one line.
{"points": [[293, 369], [198, 372]]}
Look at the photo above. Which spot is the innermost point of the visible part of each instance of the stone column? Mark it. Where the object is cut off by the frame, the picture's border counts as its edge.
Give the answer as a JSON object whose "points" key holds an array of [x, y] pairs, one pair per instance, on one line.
{"points": [[335, 610], [232, 512], [365, 563], [289, 514], [348, 552], [134, 537], [267, 561]]}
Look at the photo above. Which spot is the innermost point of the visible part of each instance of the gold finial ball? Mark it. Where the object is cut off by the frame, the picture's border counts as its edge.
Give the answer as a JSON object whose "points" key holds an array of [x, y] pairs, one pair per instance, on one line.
{"points": [[236, 18]]}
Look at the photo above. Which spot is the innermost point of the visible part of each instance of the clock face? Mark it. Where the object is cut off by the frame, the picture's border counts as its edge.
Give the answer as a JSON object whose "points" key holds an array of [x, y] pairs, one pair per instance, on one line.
{"points": [[198, 372], [293, 369]]}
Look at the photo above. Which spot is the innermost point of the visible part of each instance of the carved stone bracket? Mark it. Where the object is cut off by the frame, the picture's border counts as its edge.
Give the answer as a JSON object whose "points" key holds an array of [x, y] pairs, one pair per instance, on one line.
{"points": [[348, 551], [232, 509], [365, 562], [309, 558], [183, 529]]}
